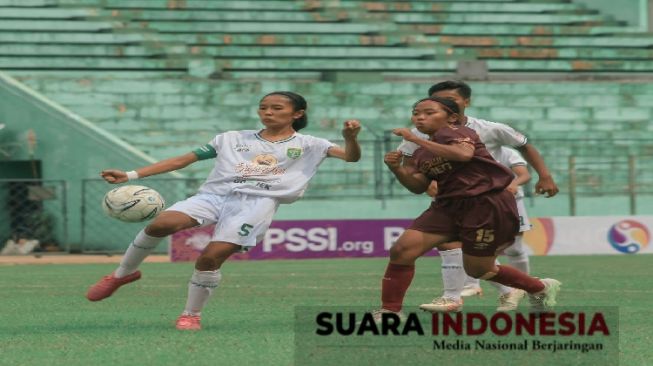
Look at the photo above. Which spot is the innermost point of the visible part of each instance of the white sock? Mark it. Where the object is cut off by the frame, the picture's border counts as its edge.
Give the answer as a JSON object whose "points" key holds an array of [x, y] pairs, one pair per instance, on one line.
{"points": [[517, 256], [140, 248], [200, 288], [453, 273], [472, 282], [501, 288]]}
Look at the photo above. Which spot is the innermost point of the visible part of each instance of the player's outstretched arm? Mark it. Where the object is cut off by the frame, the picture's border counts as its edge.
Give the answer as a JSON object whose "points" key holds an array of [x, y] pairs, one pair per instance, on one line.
{"points": [[453, 152], [408, 176], [545, 183], [352, 150], [115, 176]]}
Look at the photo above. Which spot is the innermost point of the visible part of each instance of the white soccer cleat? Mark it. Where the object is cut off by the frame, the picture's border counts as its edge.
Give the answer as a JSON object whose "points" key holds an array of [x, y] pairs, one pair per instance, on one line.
{"points": [[510, 301], [443, 305], [471, 290], [545, 300]]}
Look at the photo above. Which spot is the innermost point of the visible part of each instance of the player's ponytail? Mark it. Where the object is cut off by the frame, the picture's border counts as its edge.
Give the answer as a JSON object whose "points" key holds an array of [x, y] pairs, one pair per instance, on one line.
{"points": [[299, 103]]}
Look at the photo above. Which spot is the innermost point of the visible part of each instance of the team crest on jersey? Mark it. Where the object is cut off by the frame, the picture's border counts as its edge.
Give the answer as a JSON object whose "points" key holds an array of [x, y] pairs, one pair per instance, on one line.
{"points": [[294, 152]]}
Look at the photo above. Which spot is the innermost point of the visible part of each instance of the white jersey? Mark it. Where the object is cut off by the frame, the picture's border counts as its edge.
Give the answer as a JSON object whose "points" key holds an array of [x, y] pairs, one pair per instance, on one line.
{"points": [[494, 135], [511, 158], [249, 164]]}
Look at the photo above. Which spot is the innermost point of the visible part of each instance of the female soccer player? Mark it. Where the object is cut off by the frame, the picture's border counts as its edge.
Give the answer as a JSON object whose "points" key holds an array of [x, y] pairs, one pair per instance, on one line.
{"points": [[472, 206], [254, 172], [509, 298], [517, 255]]}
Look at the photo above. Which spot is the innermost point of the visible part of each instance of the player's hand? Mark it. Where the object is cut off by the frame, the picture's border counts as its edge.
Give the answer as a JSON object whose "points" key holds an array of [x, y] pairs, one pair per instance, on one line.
{"points": [[546, 185], [114, 176], [512, 188], [393, 159], [351, 128], [432, 190], [406, 134]]}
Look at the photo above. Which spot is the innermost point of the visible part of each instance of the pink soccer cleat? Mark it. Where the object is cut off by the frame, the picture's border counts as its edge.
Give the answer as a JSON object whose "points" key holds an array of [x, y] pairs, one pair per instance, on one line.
{"points": [[188, 322], [108, 285]]}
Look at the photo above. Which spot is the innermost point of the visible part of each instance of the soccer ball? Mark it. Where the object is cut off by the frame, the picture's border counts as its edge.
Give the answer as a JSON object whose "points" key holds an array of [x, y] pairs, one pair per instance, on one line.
{"points": [[133, 203]]}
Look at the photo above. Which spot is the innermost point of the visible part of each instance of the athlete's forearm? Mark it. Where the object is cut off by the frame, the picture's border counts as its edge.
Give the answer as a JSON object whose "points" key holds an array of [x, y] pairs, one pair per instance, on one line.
{"points": [[352, 150], [533, 157], [410, 181], [167, 165]]}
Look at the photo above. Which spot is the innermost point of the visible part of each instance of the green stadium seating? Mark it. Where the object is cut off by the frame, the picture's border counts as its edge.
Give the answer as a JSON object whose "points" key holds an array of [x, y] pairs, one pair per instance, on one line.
{"points": [[542, 41], [143, 68]]}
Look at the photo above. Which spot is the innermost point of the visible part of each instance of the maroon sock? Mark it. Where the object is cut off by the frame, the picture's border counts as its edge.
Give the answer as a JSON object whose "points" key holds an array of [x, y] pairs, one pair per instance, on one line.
{"points": [[512, 277], [395, 282]]}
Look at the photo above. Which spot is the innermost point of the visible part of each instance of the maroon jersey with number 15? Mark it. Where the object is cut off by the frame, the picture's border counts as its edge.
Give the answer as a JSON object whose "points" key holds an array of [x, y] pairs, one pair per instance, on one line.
{"points": [[462, 179]]}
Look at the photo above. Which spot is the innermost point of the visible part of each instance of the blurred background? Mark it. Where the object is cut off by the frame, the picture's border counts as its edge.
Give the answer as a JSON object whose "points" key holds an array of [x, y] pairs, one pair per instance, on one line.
{"points": [[92, 84]]}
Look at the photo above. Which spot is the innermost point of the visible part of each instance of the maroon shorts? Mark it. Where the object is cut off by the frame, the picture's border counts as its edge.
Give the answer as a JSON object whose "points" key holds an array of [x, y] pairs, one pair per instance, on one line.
{"points": [[485, 224]]}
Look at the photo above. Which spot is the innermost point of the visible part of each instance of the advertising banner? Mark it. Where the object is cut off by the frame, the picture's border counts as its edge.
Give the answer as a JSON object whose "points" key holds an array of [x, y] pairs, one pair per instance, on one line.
{"points": [[589, 235], [303, 239], [300, 239]]}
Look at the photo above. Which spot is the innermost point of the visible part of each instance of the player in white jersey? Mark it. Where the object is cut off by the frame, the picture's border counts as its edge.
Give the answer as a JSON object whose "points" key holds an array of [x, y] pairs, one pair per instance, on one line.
{"points": [[254, 172], [494, 136]]}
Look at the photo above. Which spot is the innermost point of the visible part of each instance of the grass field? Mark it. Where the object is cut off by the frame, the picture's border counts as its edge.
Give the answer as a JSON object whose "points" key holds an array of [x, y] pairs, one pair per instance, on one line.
{"points": [[47, 321]]}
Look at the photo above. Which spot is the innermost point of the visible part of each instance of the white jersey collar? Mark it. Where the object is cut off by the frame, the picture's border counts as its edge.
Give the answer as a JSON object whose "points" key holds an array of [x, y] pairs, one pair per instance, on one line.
{"points": [[258, 136]]}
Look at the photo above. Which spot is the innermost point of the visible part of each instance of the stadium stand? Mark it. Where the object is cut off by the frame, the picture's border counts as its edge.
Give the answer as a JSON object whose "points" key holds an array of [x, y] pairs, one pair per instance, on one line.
{"points": [[143, 68]]}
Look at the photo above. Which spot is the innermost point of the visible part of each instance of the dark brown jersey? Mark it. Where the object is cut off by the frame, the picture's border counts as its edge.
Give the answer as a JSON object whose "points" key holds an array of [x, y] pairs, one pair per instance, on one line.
{"points": [[460, 179]]}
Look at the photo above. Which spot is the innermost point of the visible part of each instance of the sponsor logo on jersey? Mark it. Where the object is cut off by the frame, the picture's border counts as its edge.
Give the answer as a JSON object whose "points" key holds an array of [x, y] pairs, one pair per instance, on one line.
{"points": [[262, 164], [242, 147]]}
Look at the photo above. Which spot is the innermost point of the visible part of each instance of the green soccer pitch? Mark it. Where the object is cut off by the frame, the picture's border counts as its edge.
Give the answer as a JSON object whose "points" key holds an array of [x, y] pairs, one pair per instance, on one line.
{"points": [[46, 319]]}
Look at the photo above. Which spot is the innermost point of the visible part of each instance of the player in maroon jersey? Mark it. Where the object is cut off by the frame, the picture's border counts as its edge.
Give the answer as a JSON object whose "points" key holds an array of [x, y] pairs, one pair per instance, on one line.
{"points": [[471, 206]]}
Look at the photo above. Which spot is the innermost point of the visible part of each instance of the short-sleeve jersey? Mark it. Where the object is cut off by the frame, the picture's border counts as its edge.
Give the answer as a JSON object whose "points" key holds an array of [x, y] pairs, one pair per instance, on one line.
{"points": [[511, 158], [494, 135], [247, 163], [462, 179]]}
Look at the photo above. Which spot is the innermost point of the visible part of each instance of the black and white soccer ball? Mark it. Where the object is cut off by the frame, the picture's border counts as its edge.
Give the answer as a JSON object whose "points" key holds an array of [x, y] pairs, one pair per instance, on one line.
{"points": [[133, 203]]}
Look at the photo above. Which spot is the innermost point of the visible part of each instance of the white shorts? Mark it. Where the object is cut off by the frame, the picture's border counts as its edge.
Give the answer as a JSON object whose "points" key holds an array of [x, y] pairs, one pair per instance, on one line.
{"points": [[239, 218], [524, 223]]}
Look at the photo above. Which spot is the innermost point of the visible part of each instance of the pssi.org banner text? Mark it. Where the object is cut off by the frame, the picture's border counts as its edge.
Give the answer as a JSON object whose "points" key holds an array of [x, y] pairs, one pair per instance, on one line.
{"points": [[304, 239]]}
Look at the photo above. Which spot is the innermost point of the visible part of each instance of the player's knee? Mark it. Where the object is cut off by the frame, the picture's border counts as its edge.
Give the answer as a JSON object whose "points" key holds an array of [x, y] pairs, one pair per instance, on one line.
{"points": [[159, 229], [397, 249], [474, 273], [479, 272], [401, 253], [164, 226], [206, 263]]}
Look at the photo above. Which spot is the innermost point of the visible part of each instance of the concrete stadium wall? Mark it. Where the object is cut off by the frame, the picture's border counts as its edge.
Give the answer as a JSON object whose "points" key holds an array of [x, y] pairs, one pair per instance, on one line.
{"points": [[69, 147]]}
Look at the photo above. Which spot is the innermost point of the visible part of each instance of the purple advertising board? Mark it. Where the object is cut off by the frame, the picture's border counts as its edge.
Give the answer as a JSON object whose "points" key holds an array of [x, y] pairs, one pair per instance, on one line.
{"points": [[304, 239]]}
